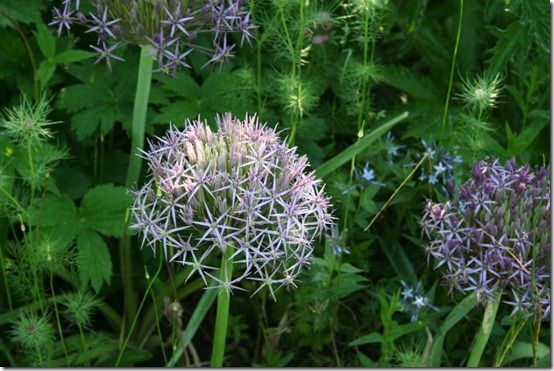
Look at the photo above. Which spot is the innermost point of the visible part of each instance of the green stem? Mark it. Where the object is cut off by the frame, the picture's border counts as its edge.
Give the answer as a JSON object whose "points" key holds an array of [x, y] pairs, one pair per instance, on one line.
{"points": [[58, 323], [5, 279], [509, 340], [151, 282], [142, 94], [139, 114], [482, 337], [458, 34], [222, 315]]}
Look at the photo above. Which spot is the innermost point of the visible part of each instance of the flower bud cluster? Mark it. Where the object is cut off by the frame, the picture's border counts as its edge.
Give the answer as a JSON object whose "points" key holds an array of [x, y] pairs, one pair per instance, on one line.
{"points": [[170, 27], [495, 236], [240, 191]]}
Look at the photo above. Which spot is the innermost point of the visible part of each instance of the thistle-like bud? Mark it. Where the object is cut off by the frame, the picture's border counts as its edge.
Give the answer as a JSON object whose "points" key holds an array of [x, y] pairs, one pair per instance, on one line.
{"points": [[501, 243], [240, 191]]}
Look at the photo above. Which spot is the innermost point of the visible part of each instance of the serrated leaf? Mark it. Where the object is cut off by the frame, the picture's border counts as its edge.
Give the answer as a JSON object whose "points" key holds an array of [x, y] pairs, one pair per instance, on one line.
{"points": [[69, 56], [46, 71], [46, 41], [94, 261], [103, 209], [59, 216]]}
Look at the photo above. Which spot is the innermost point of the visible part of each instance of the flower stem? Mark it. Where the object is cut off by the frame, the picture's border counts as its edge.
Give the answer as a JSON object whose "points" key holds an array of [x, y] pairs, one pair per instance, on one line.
{"points": [[222, 315], [142, 94], [455, 53], [148, 290]]}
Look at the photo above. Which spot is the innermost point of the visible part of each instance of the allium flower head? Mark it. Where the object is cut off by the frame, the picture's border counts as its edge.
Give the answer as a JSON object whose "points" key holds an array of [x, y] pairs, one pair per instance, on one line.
{"points": [[494, 237], [171, 27], [239, 188]]}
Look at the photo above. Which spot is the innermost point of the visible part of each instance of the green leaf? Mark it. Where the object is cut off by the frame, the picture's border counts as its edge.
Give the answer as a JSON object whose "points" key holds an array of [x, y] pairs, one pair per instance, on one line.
{"points": [[482, 337], [505, 48], [70, 56], [28, 11], [58, 216], [459, 312], [196, 319], [103, 209], [356, 148], [365, 361], [46, 41], [46, 71], [94, 261], [373, 338], [522, 349]]}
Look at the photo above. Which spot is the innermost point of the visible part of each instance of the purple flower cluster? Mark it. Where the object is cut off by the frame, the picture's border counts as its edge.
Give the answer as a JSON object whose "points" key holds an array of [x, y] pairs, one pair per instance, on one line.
{"points": [[171, 27], [494, 237], [414, 301], [239, 189]]}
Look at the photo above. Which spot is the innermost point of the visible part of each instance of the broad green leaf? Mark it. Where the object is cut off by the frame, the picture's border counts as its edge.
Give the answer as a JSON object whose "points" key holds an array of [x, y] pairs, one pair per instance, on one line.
{"points": [[28, 11], [57, 216], [94, 261], [358, 147], [46, 41], [457, 313], [401, 330], [373, 338], [103, 209], [69, 56], [523, 349]]}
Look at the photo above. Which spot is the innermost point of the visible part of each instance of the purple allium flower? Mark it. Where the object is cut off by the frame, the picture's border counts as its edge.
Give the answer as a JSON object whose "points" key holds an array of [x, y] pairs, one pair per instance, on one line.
{"points": [[146, 23], [414, 301], [239, 188], [494, 237]]}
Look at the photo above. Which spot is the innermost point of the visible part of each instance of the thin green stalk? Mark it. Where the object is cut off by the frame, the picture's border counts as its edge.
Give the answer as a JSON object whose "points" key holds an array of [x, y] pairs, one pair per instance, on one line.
{"points": [[458, 34], [58, 323], [142, 94], [396, 191], [222, 315], [15, 25], [83, 342], [153, 297], [5, 279], [148, 288], [513, 334], [484, 333]]}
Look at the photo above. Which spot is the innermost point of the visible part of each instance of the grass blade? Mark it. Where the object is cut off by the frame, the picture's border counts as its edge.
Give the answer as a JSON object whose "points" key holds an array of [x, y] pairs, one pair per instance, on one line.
{"points": [[482, 337], [329, 166], [196, 319], [459, 311]]}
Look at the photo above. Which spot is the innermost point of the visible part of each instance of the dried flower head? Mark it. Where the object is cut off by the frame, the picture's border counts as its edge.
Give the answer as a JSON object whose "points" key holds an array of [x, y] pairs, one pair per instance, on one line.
{"points": [[238, 190], [495, 236], [170, 27]]}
